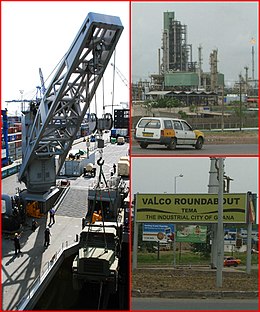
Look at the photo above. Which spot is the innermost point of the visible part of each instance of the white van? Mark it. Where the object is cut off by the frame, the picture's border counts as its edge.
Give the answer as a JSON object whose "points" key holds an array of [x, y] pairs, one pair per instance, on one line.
{"points": [[167, 131]]}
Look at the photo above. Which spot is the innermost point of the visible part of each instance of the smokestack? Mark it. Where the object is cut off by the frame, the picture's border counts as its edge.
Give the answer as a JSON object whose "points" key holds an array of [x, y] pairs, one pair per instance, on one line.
{"points": [[253, 41], [159, 61]]}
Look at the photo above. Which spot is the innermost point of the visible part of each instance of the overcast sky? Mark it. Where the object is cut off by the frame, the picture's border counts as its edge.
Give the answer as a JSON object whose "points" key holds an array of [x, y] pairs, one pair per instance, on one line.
{"points": [[38, 34], [156, 175], [228, 27]]}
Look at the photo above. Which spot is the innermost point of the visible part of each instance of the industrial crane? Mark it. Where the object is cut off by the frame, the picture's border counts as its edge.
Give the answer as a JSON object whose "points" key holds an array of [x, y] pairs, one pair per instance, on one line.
{"points": [[121, 76], [50, 129], [39, 90], [43, 89]]}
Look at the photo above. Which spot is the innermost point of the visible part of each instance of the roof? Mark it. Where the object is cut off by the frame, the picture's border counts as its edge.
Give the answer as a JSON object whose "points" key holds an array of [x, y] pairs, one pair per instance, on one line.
{"points": [[158, 92], [181, 93], [162, 118], [214, 113]]}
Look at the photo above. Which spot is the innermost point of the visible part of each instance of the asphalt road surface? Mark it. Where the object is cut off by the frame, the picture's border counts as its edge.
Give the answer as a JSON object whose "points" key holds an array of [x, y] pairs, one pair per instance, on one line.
{"points": [[218, 149], [194, 304]]}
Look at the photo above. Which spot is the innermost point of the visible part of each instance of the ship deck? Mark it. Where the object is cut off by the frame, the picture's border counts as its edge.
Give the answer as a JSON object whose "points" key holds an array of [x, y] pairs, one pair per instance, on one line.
{"points": [[20, 272]]}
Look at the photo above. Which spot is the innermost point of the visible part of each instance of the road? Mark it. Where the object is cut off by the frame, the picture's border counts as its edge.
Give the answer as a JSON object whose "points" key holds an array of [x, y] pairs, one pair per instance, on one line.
{"points": [[218, 149], [194, 304]]}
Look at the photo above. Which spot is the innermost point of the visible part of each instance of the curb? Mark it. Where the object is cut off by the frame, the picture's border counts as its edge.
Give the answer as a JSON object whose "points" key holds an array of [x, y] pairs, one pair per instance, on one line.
{"points": [[197, 294]]}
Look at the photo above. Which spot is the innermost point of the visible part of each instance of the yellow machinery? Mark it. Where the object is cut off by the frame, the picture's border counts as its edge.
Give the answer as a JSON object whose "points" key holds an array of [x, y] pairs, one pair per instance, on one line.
{"points": [[33, 210]]}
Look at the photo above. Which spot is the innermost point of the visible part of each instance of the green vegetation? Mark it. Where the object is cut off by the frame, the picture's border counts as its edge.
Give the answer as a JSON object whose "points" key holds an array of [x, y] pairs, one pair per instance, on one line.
{"points": [[237, 109], [201, 248], [182, 114], [163, 103], [166, 258], [232, 133], [184, 258]]}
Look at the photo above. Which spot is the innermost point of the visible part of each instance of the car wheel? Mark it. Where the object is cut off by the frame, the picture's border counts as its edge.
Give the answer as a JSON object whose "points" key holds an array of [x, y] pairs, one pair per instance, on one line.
{"points": [[143, 145], [172, 144], [235, 264], [199, 143]]}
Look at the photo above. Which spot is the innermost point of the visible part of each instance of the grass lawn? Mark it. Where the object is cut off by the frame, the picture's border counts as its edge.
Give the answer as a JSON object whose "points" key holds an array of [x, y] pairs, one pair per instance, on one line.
{"points": [[183, 258]]}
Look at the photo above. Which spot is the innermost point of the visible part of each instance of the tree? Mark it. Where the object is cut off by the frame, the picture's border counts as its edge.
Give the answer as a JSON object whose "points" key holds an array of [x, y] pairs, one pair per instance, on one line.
{"points": [[182, 114], [203, 248]]}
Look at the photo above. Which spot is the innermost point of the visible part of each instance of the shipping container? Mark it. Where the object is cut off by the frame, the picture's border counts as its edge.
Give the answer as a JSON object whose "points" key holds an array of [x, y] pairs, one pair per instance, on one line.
{"points": [[75, 168], [11, 137], [18, 136], [18, 126], [18, 144], [18, 156], [11, 145], [19, 149], [11, 152]]}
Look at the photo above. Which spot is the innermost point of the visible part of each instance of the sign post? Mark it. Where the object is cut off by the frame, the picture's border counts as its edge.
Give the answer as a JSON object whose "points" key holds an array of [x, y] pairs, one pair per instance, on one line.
{"points": [[220, 233], [190, 208], [174, 252], [200, 209], [250, 221], [135, 242]]}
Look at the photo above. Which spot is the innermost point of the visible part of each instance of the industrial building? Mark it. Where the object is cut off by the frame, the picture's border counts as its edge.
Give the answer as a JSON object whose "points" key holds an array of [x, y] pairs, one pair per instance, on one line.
{"points": [[182, 78], [176, 69]]}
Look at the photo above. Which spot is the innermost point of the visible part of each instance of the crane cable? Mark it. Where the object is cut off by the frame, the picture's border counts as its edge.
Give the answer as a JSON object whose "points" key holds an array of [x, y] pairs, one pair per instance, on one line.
{"points": [[94, 74], [103, 88], [113, 89]]}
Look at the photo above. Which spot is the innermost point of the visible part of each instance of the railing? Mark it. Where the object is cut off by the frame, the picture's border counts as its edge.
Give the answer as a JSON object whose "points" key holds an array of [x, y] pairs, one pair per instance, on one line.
{"points": [[38, 281]]}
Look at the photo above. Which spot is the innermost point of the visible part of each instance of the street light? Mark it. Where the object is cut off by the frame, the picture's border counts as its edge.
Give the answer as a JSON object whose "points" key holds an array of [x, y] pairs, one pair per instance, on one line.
{"points": [[175, 182]]}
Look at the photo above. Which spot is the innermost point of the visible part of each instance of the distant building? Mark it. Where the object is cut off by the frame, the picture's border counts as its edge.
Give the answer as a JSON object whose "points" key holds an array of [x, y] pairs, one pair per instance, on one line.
{"points": [[177, 70]]}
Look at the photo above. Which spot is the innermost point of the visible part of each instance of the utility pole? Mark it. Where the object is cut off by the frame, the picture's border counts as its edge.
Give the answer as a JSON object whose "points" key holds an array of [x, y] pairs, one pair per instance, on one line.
{"points": [[250, 221], [220, 230], [246, 84], [175, 182], [135, 238], [240, 102], [213, 189]]}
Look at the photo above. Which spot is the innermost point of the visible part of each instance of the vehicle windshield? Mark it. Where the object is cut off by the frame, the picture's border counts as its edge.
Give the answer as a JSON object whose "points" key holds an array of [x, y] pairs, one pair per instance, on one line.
{"points": [[149, 123], [186, 126]]}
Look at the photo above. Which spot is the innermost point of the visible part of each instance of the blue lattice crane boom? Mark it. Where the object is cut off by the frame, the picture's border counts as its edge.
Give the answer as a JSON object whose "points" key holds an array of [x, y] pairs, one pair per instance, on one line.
{"points": [[50, 129]]}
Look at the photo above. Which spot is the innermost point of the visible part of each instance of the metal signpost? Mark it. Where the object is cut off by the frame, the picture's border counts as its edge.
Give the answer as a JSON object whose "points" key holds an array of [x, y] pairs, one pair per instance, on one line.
{"points": [[187, 209], [220, 231]]}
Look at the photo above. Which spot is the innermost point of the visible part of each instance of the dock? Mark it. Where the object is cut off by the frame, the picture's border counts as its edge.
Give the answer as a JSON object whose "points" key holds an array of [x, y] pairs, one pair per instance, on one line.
{"points": [[20, 273]]}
